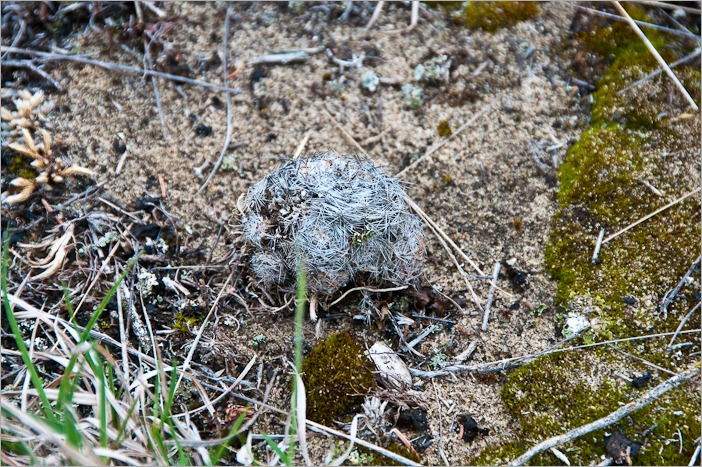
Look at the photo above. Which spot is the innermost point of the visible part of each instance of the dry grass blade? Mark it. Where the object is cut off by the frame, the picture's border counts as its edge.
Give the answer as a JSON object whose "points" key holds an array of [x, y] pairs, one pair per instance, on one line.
{"points": [[301, 415], [656, 55], [610, 419], [48, 433]]}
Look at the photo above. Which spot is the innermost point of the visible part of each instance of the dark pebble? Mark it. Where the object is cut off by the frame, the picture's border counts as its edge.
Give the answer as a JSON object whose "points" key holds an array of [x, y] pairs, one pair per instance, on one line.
{"points": [[415, 419], [641, 381], [470, 428], [620, 448], [203, 130]]}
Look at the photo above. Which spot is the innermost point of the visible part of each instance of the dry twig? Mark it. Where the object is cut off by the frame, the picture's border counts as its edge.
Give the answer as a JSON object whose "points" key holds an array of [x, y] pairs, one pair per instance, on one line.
{"points": [[610, 419], [491, 294], [671, 294], [228, 99], [46, 56]]}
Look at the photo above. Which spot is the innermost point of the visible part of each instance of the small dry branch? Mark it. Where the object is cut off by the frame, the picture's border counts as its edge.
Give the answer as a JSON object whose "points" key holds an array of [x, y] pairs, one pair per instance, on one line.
{"points": [[610, 419]]}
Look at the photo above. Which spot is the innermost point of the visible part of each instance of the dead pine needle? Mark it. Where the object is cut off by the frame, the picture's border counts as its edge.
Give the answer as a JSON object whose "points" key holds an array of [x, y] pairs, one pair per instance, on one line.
{"points": [[645, 218], [682, 323], [438, 146], [686, 58], [656, 55], [301, 146]]}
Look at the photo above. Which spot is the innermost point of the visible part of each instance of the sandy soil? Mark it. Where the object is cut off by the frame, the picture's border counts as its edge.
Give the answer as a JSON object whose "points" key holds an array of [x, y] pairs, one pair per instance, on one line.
{"points": [[483, 188]]}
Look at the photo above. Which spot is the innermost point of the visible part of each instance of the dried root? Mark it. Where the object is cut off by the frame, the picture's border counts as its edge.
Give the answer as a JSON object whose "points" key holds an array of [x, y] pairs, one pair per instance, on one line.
{"points": [[31, 112]]}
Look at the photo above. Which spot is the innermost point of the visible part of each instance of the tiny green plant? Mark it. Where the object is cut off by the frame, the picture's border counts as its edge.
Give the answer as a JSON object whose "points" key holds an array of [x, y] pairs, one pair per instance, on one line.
{"points": [[297, 348]]}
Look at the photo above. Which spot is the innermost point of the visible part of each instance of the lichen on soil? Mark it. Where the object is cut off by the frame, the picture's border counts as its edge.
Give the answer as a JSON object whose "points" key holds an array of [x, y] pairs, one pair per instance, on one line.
{"points": [[559, 155]]}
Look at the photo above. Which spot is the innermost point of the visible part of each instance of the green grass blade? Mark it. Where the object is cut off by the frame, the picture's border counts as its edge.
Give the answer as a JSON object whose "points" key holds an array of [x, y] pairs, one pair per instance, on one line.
{"points": [[217, 455], [300, 314], [12, 321], [93, 359], [73, 437], [283, 457], [123, 427], [108, 297], [158, 439], [171, 394], [65, 380], [157, 393], [298, 342], [67, 302]]}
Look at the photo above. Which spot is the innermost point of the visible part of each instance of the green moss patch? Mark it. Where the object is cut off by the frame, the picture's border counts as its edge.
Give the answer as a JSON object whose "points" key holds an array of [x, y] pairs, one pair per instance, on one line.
{"points": [[560, 392], [607, 37], [20, 167], [337, 376], [637, 139], [491, 16], [601, 188]]}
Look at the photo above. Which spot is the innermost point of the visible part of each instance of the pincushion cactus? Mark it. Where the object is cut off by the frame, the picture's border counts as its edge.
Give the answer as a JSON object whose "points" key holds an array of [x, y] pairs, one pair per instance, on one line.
{"points": [[343, 217]]}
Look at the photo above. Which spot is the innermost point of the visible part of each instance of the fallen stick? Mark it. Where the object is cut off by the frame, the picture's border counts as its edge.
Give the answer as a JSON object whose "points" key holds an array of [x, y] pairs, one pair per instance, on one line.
{"points": [[491, 295], [117, 67], [499, 365], [610, 419]]}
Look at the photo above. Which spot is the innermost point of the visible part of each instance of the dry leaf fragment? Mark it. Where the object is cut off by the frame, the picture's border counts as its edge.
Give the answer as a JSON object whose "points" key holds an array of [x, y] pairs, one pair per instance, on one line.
{"points": [[392, 371]]}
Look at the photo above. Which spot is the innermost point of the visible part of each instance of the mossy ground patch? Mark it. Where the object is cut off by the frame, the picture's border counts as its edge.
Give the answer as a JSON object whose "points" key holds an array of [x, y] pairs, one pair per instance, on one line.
{"points": [[640, 136], [337, 375]]}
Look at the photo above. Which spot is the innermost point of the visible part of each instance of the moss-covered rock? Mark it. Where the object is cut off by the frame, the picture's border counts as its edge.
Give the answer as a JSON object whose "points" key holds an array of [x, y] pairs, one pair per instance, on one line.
{"points": [[337, 376]]}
